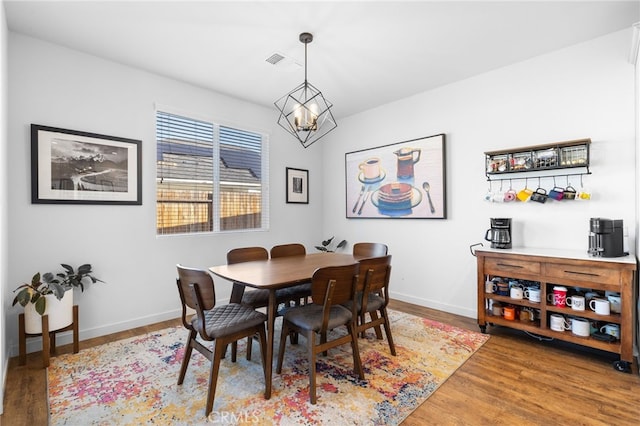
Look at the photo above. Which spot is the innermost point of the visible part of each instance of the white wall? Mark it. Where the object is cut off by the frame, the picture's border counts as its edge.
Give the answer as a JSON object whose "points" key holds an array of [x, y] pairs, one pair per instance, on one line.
{"points": [[55, 86], [585, 91], [4, 175]]}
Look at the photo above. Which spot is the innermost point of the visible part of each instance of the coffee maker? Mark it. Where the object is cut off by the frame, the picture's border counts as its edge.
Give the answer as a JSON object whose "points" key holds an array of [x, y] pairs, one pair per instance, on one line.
{"points": [[606, 237], [500, 233]]}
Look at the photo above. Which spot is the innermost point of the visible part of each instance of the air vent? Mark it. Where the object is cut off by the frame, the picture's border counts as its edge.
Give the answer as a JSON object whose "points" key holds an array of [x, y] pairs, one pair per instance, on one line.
{"points": [[275, 58]]}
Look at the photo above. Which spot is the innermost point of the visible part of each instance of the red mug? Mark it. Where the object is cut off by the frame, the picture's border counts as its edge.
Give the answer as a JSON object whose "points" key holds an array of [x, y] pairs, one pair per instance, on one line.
{"points": [[509, 313], [559, 297]]}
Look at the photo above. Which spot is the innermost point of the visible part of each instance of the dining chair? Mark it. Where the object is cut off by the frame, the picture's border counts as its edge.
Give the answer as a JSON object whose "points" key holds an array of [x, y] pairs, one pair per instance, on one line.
{"points": [[221, 324], [370, 249], [255, 298], [301, 292], [330, 288], [372, 297]]}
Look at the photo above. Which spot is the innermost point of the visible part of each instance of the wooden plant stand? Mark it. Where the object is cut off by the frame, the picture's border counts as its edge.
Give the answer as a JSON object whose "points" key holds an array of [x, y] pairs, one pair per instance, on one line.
{"points": [[48, 338]]}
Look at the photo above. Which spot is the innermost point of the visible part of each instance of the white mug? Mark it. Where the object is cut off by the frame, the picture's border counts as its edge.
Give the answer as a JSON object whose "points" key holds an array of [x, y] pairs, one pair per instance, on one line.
{"points": [[533, 294], [580, 327], [576, 303], [558, 323], [516, 293], [600, 306], [615, 302], [490, 287], [611, 329]]}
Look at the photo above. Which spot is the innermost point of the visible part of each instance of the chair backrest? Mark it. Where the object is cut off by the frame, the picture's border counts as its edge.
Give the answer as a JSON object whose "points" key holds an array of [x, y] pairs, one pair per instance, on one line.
{"points": [[196, 292], [246, 254], [283, 250], [374, 275], [370, 249], [344, 279]]}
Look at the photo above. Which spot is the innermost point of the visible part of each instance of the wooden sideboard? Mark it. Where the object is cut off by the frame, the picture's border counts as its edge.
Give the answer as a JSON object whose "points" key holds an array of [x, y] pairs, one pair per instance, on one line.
{"points": [[576, 271]]}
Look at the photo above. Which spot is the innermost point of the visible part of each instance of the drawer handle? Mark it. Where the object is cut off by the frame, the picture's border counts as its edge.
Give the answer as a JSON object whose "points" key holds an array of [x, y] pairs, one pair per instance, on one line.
{"points": [[509, 266], [582, 273]]}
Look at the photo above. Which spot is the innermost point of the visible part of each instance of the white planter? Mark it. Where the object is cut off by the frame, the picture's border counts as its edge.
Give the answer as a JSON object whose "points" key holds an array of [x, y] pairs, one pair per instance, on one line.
{"points": [[60, 314]]}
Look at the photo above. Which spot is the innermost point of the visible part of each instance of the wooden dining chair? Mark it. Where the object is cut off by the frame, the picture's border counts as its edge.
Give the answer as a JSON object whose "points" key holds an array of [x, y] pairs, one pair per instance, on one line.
{"points": [[222, 324], [254, 298], [330, 288], [370, 250], [301, 292]]}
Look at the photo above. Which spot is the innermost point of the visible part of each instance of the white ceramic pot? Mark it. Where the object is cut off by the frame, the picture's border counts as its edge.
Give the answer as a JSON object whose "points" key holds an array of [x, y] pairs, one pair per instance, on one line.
{"points": [[60, 313]]}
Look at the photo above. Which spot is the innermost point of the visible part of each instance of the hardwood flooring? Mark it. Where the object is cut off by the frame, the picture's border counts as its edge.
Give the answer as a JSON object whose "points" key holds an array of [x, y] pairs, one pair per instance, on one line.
{"points": [[513, 379]]}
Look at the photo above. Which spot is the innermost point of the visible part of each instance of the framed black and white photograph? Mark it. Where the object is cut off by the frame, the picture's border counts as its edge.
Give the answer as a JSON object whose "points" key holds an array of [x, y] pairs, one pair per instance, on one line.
{"points": [[297, 186], [74, 167], [404, 180]]}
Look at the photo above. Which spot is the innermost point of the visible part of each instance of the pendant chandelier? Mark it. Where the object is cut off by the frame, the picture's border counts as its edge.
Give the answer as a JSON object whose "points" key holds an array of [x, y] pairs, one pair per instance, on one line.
{"points": [[304, 112]]}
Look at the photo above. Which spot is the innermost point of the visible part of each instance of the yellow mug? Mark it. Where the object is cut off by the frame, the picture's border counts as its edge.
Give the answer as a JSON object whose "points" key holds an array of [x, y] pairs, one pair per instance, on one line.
{"points": [[524, 194]]}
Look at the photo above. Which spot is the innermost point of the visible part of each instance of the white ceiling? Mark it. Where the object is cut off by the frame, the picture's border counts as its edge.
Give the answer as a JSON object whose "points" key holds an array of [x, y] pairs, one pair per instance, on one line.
{"points": [[364, 53]]}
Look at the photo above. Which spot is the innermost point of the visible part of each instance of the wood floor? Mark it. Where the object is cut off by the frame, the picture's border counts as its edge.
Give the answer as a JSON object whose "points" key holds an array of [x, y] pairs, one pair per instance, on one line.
{"points": [[512, 380]]}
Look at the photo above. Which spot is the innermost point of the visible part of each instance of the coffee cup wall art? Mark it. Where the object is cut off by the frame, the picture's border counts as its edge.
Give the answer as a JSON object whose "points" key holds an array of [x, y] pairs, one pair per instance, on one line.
{"points": [[404, 180]]}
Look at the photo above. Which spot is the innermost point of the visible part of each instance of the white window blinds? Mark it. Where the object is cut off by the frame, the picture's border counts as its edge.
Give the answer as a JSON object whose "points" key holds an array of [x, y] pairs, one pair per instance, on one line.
{"points": [[210, 178]]}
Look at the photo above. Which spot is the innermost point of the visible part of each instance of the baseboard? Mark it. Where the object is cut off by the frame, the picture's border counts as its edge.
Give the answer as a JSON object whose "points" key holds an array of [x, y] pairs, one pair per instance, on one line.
{"points": [[453, 309], [34, 344]]}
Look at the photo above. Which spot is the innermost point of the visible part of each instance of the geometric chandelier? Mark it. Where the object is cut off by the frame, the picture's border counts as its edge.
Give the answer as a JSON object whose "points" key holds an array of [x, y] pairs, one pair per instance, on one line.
{"points": [[304, 112]]}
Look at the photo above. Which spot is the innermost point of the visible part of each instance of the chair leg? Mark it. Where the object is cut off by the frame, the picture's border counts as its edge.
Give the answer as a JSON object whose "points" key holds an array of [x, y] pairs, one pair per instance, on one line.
{"points": [[262, 338], [187, 356], [374, 316], [283, 342], [312, 366], [213, 376], [387, 330], [249, 345], [357, 363]]}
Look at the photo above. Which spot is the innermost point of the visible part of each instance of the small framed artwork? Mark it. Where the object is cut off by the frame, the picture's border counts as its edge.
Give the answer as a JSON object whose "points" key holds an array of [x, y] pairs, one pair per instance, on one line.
{"points": [[73, 167], [297, 186], [404, 180]]}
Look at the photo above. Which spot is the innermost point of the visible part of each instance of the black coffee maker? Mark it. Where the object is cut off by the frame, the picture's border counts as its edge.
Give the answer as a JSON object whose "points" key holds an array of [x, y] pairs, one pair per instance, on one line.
{"points": [[606, 237], [500, 233]]}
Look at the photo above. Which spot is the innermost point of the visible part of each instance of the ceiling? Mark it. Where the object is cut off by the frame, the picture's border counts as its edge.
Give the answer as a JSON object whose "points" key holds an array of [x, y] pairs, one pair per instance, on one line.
{"points": [[364, 53]]}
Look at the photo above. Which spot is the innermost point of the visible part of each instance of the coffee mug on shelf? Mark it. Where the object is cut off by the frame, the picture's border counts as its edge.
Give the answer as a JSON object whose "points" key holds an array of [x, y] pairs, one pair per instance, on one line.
{"points": [[509, 313], [580, 327], [527, 315], [533, 294], [600, 306], [516, 293], [496, 309], [612, 330], [557, 322], [490, 287], [575, 302], [615, 302], [503, 288], [558, 297]]}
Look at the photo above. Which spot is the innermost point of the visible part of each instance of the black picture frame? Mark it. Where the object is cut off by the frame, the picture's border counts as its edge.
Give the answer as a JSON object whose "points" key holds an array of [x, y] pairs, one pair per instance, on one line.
{"points": [[297, 186], [75, 167], [403, 180]]}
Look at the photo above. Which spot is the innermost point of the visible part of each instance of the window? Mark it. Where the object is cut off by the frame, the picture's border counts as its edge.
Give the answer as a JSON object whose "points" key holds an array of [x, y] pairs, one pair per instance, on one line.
{"points": [[209, 178]]}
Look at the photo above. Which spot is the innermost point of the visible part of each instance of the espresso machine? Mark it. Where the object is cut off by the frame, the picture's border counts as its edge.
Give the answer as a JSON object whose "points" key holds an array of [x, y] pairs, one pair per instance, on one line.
{"points": [[500, 233], [606, 237]]}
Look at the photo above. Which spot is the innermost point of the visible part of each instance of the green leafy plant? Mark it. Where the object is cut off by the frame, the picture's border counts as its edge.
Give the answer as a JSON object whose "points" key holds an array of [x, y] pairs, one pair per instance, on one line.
{"points": [[48, 283], [327, 245]]}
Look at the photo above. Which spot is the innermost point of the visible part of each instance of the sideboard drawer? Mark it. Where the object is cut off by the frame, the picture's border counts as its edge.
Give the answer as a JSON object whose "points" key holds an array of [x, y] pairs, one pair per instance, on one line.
{"points": [[511, 267], [591, 274]]}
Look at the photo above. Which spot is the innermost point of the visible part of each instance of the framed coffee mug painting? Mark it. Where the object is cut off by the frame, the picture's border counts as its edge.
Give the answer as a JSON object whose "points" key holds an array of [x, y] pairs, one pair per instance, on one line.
{"points": [[404, 180], [73, 167], [297, 186]]}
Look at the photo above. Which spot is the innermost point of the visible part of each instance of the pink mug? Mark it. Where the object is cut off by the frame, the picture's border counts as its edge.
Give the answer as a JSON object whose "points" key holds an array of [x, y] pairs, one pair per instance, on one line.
{"points": [[558, 297]]}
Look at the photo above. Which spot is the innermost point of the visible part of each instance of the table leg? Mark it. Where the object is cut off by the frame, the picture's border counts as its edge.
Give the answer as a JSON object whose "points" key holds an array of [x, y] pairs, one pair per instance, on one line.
{"points": [[237, 291], [271, 322]]}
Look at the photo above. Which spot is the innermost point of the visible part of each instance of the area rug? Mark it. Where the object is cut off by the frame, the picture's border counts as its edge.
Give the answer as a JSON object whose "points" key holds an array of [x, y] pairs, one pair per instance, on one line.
{"points": [[133, 381]]}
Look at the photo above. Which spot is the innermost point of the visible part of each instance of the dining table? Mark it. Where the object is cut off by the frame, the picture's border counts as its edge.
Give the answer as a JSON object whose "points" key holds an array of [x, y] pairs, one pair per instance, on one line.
{"points": [[274, 274]]}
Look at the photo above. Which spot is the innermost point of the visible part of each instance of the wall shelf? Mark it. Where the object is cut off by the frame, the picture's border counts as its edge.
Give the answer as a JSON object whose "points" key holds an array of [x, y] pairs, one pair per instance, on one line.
{"points": [[567, 158]]}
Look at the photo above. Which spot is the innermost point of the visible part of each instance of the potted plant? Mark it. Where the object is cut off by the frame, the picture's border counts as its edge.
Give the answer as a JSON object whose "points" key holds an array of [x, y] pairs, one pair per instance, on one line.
{"points": [[326, 245], [52, 295]]}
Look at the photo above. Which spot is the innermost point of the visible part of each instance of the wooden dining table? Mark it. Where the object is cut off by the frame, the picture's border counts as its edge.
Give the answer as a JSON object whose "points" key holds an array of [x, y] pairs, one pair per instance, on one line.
{"points": [[274, 274]]}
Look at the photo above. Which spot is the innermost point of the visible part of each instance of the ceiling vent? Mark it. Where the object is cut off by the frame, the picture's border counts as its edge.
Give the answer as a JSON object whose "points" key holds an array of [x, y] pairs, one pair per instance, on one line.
{"points": [[275, 58]]}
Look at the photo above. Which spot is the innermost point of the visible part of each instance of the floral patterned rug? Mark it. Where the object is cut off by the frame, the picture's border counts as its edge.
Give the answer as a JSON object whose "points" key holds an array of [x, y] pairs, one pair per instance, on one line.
{"points": [[133, 381]]}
